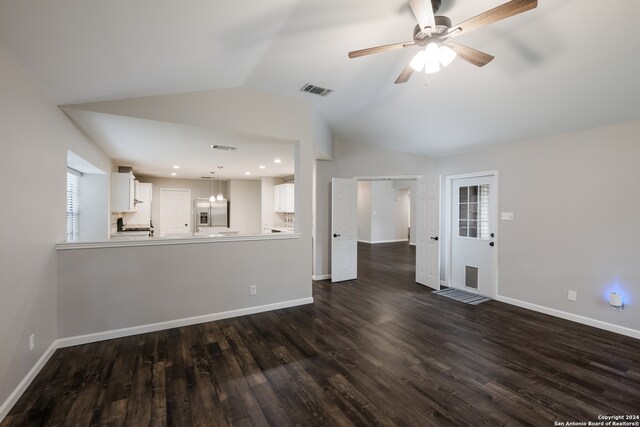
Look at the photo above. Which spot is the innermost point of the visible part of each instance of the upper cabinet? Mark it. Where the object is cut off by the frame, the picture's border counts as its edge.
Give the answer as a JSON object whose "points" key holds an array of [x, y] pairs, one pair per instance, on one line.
{"points": [[142, 216], [283, 198], [123, 192]]}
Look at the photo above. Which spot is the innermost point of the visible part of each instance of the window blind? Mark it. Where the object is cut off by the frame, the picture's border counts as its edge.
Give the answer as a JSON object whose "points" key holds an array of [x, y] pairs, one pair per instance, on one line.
{"points": [[73, 203]]}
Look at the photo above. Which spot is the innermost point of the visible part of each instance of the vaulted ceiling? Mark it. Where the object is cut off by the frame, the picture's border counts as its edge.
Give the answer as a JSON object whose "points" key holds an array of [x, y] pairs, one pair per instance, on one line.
{"points": [[566, 65]]}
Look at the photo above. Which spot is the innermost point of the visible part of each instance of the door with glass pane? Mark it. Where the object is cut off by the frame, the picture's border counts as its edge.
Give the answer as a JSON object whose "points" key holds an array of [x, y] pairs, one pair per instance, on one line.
{"points": [[473, 249]]}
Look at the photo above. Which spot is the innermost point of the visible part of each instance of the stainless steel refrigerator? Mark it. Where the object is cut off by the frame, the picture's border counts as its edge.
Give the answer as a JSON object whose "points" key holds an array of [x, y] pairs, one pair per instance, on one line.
{"points": [[210, 214]]}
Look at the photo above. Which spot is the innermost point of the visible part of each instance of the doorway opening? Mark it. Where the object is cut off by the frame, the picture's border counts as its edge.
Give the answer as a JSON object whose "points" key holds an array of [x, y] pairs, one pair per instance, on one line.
{"points": [[385, 211], [344, 227], [386, 218], [370, 211]]}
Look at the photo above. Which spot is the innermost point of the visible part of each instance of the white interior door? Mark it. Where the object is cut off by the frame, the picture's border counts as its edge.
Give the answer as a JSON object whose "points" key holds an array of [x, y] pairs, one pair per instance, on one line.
{"points": [[428, 225], [473, 225], [175, 211], [344, 229]]}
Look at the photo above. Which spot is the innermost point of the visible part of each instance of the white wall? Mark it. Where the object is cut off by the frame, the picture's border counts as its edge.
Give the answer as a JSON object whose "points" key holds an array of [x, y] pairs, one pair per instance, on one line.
{"points": [[364, 211], [34, 138], [355, 159], [383, 212], [322, 137], [245, 197], [389, 213], [154, 284], [575, 205], [93, 218], [88, 275]]}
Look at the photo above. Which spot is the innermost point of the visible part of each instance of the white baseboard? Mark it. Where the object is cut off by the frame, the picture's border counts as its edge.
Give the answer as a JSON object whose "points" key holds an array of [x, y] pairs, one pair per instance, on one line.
{"points": [[573, 317], [412, 244], [26, 381], [152, 327], [383, 241], [443, 284], [321, 277]]}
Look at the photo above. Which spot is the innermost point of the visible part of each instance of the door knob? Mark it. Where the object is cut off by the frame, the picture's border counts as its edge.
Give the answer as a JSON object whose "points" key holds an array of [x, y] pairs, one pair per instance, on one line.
{"points": [[435, 238], [491, 244], [336, 235]]}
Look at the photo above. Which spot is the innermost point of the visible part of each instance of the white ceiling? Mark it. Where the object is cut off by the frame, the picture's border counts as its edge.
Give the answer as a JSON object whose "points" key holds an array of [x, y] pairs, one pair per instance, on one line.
{"points": [[566, 65], [152, 148]]}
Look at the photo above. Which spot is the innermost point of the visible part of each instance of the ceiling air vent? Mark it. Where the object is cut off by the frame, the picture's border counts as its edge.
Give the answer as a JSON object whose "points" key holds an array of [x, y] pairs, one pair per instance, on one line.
{"points": [[223, 147], [317, 90]]}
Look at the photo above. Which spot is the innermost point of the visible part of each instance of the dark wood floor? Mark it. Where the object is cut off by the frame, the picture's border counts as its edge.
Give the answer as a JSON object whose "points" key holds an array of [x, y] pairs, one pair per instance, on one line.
{"points": [[380, 350]]}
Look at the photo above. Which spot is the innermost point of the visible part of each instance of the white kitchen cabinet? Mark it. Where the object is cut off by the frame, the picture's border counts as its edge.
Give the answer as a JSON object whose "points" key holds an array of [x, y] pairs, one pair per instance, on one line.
{"points": [[283, 198], [142, 215], [123, 192]]}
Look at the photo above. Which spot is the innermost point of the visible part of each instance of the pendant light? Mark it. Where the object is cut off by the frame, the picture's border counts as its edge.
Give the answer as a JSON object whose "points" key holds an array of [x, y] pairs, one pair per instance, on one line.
{"points": [[212, 198], [220, 196]]}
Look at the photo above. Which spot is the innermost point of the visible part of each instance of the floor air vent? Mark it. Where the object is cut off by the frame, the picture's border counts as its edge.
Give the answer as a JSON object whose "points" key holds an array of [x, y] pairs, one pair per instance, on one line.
{"points": [[316, 90]]}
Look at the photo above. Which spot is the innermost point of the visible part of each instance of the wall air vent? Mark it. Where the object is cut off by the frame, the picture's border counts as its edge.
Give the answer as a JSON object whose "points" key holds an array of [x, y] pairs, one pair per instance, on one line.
{"points": [[315, 90], [223, 147]]}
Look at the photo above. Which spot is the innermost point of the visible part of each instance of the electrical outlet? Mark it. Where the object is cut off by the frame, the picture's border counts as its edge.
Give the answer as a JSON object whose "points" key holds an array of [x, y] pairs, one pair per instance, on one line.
{"points": [[572, 296], [32, 342], [253, 290]]}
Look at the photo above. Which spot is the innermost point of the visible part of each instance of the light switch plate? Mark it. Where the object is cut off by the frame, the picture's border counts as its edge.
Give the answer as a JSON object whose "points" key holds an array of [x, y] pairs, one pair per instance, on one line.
{"points": [[572, 296], [507, 216]]}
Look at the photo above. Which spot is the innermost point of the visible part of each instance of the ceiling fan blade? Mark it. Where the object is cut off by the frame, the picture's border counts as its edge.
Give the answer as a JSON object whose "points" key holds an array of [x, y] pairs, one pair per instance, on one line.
{"points": [[501, 12], [405, 75], [472, 56], [423, 11], [378, 49]]}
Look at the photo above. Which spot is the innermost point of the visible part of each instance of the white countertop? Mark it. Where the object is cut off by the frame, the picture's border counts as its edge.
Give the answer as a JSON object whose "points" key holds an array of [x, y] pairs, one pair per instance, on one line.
{"points": [[283, 228], [178, 239]]}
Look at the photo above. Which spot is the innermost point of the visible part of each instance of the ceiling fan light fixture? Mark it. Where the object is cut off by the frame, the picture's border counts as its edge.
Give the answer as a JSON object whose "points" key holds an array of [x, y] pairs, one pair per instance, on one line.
{"points": [[432, 67], [446, 55], [418, 61], [432, 58]]}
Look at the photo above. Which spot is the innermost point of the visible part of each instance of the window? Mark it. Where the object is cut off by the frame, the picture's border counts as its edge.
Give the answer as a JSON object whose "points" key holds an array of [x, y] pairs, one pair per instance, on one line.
{"points": [[473, 211], [73, 202]]}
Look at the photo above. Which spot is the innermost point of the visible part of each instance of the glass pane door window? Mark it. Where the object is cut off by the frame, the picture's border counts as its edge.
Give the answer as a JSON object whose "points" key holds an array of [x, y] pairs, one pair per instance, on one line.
{"points": [[473, 210]]}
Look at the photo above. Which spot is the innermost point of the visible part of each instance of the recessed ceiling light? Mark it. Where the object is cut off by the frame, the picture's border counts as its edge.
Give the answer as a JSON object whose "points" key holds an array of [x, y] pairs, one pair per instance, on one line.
{"points": [[247, 173], [277, 161], [173, 174], [176, 166], [262, 167]]}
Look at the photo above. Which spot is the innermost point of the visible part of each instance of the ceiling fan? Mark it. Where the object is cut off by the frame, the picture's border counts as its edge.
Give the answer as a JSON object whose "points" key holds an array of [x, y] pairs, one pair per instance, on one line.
{"points": [[432, 34]]}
